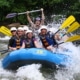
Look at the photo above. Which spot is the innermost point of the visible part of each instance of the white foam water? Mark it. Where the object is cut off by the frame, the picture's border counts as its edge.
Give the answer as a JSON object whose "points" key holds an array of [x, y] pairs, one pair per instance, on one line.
{"points": [[5, 38], [30, 72], [3, 47], [74, 68]]}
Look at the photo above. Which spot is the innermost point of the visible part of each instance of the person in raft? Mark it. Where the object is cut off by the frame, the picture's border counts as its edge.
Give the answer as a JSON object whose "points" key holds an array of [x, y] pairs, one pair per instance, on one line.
{"points": [[35, 25], [17, 39], [30, 41], [47, 38]]}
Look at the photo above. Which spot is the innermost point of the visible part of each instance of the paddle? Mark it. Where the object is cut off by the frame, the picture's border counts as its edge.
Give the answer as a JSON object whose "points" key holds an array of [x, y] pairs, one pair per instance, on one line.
{"points": [[15, 14], [4, 51], [66, 23], [5, 31], [72, 38], [72, 28]]}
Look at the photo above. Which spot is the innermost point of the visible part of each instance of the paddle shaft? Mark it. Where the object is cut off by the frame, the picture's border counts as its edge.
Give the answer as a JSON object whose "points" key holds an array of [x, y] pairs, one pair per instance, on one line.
{"points": [[15, 14], [61, 43], [57, 31], [4, 50], [29, 12]]}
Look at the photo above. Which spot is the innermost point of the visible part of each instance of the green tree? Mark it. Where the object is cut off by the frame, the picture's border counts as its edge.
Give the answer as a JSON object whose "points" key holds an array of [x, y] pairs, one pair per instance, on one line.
{"points": [[64, 7]]}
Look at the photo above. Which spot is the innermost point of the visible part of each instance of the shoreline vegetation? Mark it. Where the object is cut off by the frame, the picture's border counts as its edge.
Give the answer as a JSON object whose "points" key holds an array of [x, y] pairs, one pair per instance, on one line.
{"points": [[51, 7]]}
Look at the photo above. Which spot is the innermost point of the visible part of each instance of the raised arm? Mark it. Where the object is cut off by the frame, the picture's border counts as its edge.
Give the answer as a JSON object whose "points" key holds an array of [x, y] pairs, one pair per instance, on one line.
{"points": [[43, 17], [28, 17]]}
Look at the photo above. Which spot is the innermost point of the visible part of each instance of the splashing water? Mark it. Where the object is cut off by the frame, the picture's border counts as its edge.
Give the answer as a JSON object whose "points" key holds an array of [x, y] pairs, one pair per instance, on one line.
{"points": [[74, 68], [32, 72], [4, 38]]}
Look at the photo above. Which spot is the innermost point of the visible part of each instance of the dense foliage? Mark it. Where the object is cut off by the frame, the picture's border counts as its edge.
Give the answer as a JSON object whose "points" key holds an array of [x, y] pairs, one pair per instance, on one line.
{"points": [[65, 7]]}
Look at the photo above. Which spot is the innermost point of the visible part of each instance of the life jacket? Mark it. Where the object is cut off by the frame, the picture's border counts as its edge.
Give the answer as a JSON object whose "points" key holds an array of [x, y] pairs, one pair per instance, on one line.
{"points": [[29, 43], [48, 40], [17, 43]]}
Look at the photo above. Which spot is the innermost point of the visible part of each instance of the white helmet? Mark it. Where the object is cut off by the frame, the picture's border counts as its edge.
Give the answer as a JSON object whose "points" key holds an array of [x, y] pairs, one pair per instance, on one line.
{"points": [[25, 28], [29, 31], [38, 19], [43, 27], [20, 28], [13, 28]]}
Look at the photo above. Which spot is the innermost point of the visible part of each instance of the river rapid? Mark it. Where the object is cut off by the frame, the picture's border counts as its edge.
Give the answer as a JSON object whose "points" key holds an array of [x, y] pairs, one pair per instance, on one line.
{"points": [[35, 72]]}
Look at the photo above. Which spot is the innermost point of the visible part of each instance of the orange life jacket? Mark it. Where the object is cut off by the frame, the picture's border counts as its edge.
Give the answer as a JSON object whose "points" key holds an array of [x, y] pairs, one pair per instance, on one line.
{"points": [[18, 43]]}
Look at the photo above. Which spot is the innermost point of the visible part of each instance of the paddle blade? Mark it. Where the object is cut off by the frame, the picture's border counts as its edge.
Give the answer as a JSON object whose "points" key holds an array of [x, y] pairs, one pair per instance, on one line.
{"points": [[73, 38], [67, 22], [73, 27], [5, 31], [11, 15]]}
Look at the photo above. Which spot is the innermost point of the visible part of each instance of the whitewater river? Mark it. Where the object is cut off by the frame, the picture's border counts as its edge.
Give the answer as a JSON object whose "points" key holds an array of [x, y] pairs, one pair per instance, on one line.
{"points": [[34, 71]]}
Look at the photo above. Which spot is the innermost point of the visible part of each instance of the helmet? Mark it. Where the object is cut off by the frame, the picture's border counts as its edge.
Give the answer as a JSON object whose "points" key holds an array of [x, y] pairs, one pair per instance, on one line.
{"points": [[20, 28], [37, 19], [25, 28], [13, 28], [43, 27], [29, 31]]}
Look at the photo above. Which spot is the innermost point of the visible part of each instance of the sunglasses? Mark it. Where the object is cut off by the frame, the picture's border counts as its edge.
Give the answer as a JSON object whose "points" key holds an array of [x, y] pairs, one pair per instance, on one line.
{"points": [[13, 31], [20, 31]]}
